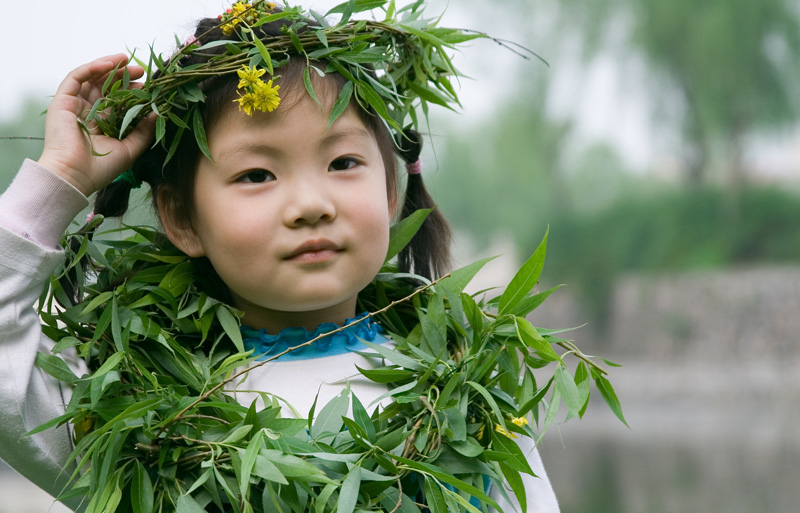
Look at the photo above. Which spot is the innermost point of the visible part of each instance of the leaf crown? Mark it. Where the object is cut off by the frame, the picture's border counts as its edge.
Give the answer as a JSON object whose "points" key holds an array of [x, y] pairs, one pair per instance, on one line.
{"points": [[393, 67]]}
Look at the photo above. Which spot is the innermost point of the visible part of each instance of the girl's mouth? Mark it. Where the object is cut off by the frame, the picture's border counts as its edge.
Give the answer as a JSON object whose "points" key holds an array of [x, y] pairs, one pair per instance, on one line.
{"points": [[312, 251]]}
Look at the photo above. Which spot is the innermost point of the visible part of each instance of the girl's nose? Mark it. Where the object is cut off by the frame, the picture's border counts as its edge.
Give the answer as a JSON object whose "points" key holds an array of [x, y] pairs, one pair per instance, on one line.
{"points": [[309, 202]]}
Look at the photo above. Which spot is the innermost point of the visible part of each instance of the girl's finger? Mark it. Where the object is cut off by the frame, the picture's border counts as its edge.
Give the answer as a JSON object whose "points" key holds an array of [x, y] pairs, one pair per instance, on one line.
{"points": [[89, 72]]}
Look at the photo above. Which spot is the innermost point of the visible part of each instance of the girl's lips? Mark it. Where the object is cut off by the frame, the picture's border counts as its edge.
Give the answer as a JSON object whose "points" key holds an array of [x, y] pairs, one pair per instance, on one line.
{"points": [[312, 257], [315, 250]]}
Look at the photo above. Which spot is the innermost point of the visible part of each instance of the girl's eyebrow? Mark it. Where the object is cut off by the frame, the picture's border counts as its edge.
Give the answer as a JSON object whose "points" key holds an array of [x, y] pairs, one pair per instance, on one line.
{"points": [[332, 136]]}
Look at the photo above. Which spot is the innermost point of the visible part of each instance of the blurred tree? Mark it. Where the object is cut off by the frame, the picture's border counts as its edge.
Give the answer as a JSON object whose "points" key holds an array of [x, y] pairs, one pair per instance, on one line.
{"points": [[733, 64], [28, 123], [509, 173]]}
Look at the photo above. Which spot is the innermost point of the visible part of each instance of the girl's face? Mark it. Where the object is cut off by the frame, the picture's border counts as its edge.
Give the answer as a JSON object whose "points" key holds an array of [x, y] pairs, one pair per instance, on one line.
{"points": [[295, 218]]}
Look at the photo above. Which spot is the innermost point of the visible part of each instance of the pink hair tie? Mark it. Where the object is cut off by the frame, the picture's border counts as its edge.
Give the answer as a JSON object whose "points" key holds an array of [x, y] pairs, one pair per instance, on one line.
{"points": [[414, 168]]}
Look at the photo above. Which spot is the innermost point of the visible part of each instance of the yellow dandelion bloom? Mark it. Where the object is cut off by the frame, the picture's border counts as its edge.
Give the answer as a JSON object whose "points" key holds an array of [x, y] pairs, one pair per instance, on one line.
{"points": [[247, 103], [500, 429], [479, 434], [519, 421], [249, 76], [266, 96]]}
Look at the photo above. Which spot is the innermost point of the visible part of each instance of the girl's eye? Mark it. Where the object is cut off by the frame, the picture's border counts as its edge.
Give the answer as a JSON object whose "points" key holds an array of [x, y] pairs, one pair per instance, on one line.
{"points": [[343, 163], [256, 176]]}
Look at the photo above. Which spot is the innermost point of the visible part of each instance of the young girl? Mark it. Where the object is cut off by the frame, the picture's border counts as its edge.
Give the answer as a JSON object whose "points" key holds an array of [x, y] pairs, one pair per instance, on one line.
{"points": [[291, 212]]}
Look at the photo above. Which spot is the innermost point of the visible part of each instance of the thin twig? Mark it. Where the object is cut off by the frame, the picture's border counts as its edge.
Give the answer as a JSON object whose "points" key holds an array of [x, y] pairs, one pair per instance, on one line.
{"points": [[572, 348], [399, 497]]}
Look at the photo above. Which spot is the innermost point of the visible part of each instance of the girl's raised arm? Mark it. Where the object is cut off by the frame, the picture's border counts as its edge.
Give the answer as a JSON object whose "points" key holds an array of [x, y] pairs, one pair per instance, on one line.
{"points": [[68, 150]]}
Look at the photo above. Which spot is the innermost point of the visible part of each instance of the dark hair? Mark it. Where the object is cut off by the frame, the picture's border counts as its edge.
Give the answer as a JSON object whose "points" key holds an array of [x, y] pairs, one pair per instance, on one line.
{"points": [[428, 252]]}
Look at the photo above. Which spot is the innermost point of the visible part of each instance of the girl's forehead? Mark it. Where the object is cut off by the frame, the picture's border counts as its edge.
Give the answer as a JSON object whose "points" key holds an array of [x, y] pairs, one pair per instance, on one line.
{"points": [[299, 121]]}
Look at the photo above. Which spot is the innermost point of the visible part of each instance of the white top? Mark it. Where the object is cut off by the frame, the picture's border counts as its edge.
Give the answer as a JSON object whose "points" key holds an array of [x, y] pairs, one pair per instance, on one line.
{"points": [[34, 213]]}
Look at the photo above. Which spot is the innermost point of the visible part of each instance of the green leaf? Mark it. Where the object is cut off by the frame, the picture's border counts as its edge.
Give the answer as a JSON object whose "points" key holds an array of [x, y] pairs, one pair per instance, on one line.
{"points": [[342, 102], [517, 461], [100, 299], [161, 128], [401, 233], [460, 278], [514, 480], [376, 102], [267, 470], [432, 328], [489, 399], [525, 279], [249, 460], [583, 383], [531, 303], [607, 391], [469, 447], [456, 424], [200, 133], [532, 339], [186, 504], [128, 119], [357, 6], [237, 434], [434, 498], [231, 326], [141, 490], [348, 495], [329, 421], [110, 364], [362, 418], [386, 375], [394, 356], [569, 391], [310, 86], [322, 499], [56, 367]]}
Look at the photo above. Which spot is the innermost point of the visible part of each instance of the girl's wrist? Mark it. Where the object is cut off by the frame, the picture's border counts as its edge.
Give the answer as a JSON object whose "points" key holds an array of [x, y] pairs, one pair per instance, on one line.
{"points": [[39, 204], [77, 180]]}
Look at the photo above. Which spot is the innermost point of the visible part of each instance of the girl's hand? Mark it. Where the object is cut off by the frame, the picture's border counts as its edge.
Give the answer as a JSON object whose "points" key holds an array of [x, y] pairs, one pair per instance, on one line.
{"points": [[67, 149]]}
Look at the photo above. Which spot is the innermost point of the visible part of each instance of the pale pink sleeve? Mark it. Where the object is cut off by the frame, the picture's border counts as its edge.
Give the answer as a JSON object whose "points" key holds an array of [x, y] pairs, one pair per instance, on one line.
{"points": [[39, 205]]}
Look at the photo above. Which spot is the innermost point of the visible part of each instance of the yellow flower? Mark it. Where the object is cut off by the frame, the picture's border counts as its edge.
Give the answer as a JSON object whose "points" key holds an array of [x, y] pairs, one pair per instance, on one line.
{"points": [[500, 429], [266, 96], [239, 7], [519, 421], [247, 103], [479, 434], [232, 17], [248, 76], [229, 27]]}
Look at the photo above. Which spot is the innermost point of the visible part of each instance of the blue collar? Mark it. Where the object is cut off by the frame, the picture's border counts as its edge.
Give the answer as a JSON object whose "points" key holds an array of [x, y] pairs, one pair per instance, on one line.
{"points": [[343, 342]]}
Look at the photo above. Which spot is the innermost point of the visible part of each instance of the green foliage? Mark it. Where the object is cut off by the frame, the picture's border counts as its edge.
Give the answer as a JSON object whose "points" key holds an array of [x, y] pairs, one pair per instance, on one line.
{"points": [[157, 431], [676, 230]]}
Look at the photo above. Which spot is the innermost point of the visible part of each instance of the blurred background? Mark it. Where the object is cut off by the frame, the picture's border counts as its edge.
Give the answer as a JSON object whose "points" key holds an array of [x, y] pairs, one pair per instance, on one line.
{"points": [[661, 145]]}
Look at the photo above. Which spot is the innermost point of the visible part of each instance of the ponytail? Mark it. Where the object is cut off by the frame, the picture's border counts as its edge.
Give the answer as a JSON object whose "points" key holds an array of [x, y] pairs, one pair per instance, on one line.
{"points": [[428, 253], [112, 200]]}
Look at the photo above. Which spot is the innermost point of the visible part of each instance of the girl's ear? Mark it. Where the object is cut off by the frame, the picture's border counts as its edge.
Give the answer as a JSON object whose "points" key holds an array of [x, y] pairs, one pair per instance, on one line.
{"points": [[177, 228]]}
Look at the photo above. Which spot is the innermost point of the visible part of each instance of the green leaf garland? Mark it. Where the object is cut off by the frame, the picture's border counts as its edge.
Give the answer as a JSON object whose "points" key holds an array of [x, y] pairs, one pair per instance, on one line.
{"points": [[156, 429]]}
